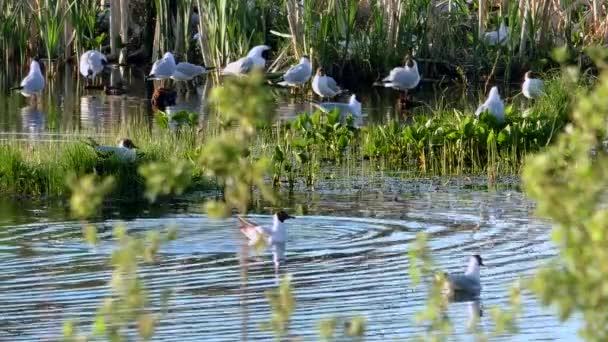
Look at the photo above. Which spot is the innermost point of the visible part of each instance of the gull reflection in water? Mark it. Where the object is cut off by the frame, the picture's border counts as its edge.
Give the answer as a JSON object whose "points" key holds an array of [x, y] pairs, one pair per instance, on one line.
{"points": [[33, 121], [91, 111], [474, 308]]}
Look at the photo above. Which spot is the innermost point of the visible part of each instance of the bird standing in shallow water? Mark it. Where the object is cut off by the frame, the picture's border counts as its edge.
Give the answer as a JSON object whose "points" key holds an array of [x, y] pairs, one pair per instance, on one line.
{"points": [[163, 68], [298, 74], [33, 84], [255, 59], [532, 87], [325, 86], [493, 105], [275, 236], [92, 63], [467, 283], [403, 78]]}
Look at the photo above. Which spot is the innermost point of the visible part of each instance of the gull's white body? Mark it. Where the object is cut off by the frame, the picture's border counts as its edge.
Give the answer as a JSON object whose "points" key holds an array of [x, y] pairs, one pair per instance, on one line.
{"points": [[253, 60], [496, 37], [163, 68], [92, 63], [33, 83], [469, 282], [493, 105], [298, 74], [187, 71], [352, 107], [325, 86], [275, 236], [403, 78], [120, 151], [532, 88]]}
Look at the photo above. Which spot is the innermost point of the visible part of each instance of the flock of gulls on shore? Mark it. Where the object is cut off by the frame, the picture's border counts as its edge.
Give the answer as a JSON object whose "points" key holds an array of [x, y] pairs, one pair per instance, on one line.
{"points": [[401, 78]]}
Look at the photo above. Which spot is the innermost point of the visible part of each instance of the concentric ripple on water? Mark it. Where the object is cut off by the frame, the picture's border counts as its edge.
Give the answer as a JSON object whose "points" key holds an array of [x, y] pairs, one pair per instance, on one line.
{"points": [[340, 266]]}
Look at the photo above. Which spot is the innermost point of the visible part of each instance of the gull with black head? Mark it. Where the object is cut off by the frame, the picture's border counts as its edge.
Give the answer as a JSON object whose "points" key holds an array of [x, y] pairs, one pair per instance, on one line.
{"points": [[468, 283]]}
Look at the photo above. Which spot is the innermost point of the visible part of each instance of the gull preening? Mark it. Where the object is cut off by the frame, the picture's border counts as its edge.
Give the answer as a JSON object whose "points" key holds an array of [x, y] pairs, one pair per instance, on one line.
{"points": [[325, 86], [33, 83], [496, 37], [126, 150], [403, 78], [352, 107], [275, 236], [92, 63], [298, 74], [163, 68], [493, 105], [185, 71], [532, 87], [255, 59], [468, 283]]}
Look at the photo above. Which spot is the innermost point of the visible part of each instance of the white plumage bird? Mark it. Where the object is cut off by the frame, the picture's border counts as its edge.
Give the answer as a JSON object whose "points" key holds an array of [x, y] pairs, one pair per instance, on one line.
{"points": [[467, 283], [298, 74], [126, 150], [92, 63], [496, 37], [493, 105], [325, 86], [255, 59], [403, 78], [352, 107], [163, 68], [33, 83], [275, 236], [185, 71], [532, 87]]}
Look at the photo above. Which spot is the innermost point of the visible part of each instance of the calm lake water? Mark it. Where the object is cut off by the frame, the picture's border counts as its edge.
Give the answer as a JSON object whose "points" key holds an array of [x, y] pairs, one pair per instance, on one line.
{"points": [[347, 250]]}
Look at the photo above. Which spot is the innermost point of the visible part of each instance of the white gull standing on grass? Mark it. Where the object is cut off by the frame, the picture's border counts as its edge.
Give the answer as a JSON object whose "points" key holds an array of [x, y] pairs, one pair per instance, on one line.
{"points": [[33, 83], [325, 86], [255, 59], [467, 283], [92, 63], [298, 74], [163, 68], [275, 236], [493, 105], [532, 87]]}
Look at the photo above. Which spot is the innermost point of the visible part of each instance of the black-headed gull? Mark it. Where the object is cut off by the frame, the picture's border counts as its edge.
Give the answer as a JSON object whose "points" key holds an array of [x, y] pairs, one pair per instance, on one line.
{"points": [[496, 37], [352, 107], [298, 74], [532, 87], [403, 78], [126, 150], [92, 63], [325, 86], [255, 59], [275, 236], [185, 71], [33, 83], [467, 283], [163, 68], [493, 105]]}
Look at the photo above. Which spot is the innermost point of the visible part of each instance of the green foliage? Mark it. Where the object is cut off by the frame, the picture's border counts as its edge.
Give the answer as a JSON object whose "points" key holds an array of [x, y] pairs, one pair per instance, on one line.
{"points": [[244, 105], [49, 17], [166, 178], [282, 305], [568, 181], [87, 194]]}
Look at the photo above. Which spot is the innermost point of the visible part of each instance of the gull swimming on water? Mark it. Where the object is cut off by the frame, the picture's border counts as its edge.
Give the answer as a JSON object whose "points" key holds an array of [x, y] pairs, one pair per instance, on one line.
{"points": [[163, 68], [325, 86], [126, 150], [496, 37], [532, 87], [493, 105], [255, 59], [298, 74], [467, 283], [275, 236], [352, 107], [92, 63], [185, 71], [33, 83]]}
